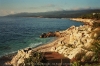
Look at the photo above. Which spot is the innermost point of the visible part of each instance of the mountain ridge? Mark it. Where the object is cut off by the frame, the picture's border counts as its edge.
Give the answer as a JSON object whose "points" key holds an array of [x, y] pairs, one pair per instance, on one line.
{"points": [[57, 14]]}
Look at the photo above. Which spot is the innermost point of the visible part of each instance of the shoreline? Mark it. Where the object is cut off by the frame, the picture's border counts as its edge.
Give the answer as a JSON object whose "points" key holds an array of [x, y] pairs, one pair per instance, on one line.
{"points": [[85, 21], [6, 59], [42, 48], [70, 43], [46, 44]]}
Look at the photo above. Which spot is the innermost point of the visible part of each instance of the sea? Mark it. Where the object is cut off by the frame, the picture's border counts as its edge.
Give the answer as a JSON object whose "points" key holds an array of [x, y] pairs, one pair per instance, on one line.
{"points": [[17, 33]]}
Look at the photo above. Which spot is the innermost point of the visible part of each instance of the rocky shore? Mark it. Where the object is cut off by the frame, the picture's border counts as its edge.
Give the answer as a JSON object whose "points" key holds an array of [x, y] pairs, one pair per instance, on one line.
{"points": [[86, 21], [75, 43]]}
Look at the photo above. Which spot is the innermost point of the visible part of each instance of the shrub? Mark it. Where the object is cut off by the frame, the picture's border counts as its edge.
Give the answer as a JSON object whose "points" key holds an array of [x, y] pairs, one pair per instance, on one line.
{"points": [[35, 59]]}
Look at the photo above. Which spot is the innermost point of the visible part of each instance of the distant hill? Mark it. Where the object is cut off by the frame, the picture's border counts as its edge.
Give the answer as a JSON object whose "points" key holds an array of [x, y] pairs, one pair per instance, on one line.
{"points": [[57, 14]]}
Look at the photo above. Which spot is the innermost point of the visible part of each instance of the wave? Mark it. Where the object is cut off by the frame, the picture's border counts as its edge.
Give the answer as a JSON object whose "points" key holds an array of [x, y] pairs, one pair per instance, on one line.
{"points": [[35, 44], [8, 54]]}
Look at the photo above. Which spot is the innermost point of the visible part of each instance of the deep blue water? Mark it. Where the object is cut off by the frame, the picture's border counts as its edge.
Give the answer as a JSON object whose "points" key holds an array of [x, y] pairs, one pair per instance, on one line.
{"points": [[21, 32]]}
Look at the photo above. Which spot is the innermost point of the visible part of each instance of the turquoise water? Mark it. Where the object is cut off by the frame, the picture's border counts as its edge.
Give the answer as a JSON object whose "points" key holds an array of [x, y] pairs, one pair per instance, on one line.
{"points": [[21, 32]]}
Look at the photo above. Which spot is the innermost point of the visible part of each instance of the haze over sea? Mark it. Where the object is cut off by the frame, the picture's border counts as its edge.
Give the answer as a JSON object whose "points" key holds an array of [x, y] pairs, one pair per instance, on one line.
{"points": [[20, 32]]}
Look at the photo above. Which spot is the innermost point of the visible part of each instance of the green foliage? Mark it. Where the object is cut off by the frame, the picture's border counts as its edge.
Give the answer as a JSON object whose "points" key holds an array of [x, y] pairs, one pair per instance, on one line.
{"points": [[95, 64], [75, 64], [85, 64], [35, 59], [95, 25], [91, 16], [96, 49]]}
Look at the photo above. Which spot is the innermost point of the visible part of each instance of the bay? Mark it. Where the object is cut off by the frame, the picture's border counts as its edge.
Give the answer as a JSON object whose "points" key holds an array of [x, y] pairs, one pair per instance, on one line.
{"points": [[20, 32]]}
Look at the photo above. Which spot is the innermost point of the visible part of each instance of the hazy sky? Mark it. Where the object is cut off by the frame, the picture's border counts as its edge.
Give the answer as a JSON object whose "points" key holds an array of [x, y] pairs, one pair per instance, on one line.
{"points": [[17, 6]]}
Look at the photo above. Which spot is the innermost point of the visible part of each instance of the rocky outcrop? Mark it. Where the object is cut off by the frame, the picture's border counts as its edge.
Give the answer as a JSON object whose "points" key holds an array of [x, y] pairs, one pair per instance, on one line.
{"points": [[52, 34], [21, 56], [49, 34], [79, 44]]}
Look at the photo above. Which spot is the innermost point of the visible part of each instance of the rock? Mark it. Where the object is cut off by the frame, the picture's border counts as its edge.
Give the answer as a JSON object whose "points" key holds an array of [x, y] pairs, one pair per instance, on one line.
{"points": [[49, 34], [76, 53], [80, 42], [57, 34], [21, 55], [43, 35], [88, 56], [53, 34], [53, 48]]}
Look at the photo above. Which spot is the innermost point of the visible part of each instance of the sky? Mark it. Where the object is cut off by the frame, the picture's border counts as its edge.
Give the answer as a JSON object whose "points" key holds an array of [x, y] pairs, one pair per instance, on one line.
{"points": [[34, 6]]}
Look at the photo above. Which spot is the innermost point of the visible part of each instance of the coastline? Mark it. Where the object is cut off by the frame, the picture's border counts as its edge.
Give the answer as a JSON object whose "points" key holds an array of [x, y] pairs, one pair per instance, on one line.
{"points": [[85, 21], [65, 42], [6, 59]]}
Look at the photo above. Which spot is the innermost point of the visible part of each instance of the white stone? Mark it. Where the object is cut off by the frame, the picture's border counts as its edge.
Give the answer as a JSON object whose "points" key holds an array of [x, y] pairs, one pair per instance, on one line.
{"points": [[75, 52]]}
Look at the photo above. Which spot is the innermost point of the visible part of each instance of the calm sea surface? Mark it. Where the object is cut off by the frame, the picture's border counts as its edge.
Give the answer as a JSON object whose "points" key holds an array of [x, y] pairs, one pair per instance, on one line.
{"points": [[21, 32]]}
